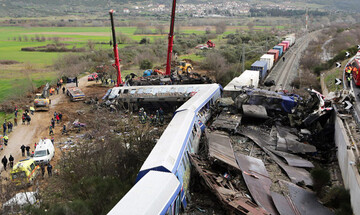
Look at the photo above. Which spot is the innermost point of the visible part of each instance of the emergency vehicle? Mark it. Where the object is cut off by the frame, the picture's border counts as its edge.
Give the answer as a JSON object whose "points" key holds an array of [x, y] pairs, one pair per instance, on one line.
{"points": [[24, 172]]}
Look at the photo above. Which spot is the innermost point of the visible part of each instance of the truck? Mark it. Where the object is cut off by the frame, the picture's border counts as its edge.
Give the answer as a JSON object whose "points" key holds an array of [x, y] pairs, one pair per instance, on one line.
{"points": [[73, 90], [42, 100]]}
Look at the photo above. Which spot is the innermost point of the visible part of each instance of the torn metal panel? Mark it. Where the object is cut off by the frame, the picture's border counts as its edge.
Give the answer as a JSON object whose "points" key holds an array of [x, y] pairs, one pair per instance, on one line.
{"points": [[284, 205], [257, 180], [305, 201], [227, 122], [256, 111], [281, 143], [220, 148], [226, 192], [292, 144], [293, 160], [297, 175]]}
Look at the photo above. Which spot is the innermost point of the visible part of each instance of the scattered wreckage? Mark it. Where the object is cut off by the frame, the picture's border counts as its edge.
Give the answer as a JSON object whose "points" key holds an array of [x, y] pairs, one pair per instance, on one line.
{"points": [[276, 123]]}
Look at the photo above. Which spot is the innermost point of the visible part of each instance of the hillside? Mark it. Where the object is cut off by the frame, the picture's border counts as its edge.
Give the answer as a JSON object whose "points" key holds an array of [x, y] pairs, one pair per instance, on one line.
{"points": [[37, 8]]}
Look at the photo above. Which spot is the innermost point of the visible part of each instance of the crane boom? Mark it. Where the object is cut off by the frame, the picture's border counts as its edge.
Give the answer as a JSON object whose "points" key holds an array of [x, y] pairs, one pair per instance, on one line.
{"points": [[171, 38], [116, 51]]}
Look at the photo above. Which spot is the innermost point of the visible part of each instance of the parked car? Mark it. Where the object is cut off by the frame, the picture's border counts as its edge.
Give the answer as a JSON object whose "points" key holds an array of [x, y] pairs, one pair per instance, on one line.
{"points": [[92, 76], [44, 151]]}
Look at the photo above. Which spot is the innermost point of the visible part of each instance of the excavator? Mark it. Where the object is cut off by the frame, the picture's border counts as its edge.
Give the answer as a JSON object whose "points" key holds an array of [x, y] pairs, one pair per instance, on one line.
{"points": [[42, 101]]}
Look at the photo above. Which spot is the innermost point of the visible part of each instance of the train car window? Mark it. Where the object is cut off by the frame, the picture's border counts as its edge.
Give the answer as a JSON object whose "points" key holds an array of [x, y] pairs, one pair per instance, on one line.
{"points": [[126, 91], [177, 205]]}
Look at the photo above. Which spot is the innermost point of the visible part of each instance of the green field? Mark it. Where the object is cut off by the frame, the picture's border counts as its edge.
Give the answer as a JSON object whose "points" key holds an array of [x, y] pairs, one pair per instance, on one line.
{"points": [[34, 68]]}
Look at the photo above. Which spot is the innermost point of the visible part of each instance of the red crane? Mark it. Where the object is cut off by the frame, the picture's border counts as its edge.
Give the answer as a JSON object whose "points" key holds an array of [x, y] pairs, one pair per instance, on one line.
{"points": [[171, 38], [116, 51]]}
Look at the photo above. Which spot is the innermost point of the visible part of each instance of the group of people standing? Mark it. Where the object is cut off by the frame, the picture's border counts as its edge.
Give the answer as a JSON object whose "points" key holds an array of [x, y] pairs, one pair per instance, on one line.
{"points": [[154, 119], [5, 161], [58, 118]]}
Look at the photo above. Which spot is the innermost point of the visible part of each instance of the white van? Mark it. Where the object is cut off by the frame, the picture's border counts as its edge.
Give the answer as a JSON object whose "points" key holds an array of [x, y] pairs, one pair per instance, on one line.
{"points": [[44, 151]]}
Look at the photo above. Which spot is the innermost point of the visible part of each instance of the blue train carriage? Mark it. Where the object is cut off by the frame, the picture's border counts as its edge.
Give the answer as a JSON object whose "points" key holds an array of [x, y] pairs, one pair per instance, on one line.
{"points": [[182, 135], [156, 193]]}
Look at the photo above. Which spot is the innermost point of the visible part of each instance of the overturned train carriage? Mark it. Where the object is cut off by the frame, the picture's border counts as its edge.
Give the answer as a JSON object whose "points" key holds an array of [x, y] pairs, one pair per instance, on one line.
{"points": [[170, 155]]}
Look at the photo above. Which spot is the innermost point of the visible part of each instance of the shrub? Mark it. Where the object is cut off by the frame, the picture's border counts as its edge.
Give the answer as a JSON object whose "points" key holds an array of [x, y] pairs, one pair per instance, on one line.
{"points": [[321, 178], [146, 64]]}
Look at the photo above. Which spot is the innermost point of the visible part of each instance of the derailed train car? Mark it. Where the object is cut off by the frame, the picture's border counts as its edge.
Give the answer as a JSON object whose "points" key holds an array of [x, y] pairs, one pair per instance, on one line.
{"points": [[170, 156]]}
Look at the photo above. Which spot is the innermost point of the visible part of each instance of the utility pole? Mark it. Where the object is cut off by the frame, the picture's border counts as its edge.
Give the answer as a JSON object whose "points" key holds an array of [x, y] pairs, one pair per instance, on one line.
{"points": [[243, 57], [306, 20]]}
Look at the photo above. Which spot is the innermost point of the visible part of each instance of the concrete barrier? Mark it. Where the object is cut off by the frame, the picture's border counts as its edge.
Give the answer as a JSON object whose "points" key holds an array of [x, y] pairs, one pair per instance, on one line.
{"points": [[346, 159]]}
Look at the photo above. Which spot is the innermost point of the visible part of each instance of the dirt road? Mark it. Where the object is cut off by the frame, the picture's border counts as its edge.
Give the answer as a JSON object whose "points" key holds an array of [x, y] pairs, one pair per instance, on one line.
{"points": [[38, 128]]}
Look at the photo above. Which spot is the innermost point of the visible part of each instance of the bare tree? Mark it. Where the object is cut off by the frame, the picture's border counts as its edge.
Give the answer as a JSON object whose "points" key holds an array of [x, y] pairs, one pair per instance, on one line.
{"points": [[251, 25], [160, 29], [141, 28], [220, 27], [91, 45], [207, 30]]}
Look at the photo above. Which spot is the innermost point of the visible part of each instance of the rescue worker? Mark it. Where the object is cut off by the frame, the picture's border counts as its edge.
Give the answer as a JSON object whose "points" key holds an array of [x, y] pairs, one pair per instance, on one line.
{"points": [[4, 127], [22, 150], [52, 140], [51, 132], [349, 78], [32, 110], [27, 151], [23, 118], [53, 122], [15, 121], [28, 119], [4, 161], [161, 116], [64, 129], [6, 139], [11, 161], [60, 116], [9, 127], [42, 169], [49, 169], [63, 89], [57, 118]]}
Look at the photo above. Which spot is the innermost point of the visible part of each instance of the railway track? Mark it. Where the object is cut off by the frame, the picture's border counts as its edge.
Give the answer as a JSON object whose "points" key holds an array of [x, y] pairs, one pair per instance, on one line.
{"points": [[283, 70]]}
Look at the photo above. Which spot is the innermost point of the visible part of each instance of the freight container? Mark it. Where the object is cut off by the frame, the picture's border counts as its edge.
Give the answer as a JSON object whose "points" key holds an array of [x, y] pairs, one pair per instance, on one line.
{"points": [[269, 59], [280, 48], [260, 66], [283, 45], [291, 39], [287, 44], [274, 52]]}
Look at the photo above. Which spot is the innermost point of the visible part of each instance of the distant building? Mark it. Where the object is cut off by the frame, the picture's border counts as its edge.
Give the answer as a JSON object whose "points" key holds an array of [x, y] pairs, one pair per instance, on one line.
{"points": [[126, 10]]}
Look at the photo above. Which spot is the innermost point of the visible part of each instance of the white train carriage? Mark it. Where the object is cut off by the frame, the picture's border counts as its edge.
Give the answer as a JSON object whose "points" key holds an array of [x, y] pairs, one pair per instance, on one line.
{"points": [[169, 155], [200, 102], [156, 193], [182, 135]]}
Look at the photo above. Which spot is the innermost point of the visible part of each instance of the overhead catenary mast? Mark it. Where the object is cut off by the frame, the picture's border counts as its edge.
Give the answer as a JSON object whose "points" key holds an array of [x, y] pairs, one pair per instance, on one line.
{"points": [[171, 38], [116, 51]]}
